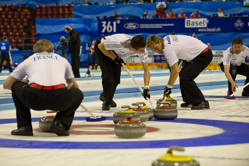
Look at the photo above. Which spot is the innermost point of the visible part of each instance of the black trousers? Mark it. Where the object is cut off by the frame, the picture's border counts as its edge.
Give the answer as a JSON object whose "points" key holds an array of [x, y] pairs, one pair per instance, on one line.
{"points": [[5, 56], [243, 69], [190, 70], [94, 62], [110, 73], [66, 101], [75, 60]]}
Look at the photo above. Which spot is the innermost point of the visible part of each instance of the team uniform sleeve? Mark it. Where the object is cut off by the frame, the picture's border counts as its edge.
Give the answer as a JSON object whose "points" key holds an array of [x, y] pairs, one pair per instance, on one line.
{"points": [[20, 71], [111, 44], [170, 56], [226, 57], [69, 72], [144, 57], [247, 52]]}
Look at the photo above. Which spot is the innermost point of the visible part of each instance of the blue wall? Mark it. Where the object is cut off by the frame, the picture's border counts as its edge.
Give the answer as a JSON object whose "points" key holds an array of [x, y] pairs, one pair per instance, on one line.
{"points": [[53, 29], [33, 3], [206, 9]]}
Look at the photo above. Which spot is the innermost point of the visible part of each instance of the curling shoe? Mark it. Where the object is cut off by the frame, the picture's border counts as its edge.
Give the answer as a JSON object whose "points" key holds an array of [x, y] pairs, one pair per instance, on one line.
{"points": [[201, 106], [59, 128], [244, 93], [186, 105], [113, 103], [25, 131], [105, 106]]}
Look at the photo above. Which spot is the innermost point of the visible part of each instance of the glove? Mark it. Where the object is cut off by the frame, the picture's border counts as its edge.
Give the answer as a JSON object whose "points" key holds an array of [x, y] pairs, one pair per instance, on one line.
{"points": [[146, 94], [167, 92], [119, 61]]}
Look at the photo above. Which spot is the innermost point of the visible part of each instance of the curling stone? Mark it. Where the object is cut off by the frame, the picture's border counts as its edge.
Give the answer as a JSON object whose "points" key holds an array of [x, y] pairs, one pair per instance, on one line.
{"points": [[151, 112], [173, 102], [130, 129], [45, 123], [144, 114], [165, 111], [171, 160], [123, 115]]}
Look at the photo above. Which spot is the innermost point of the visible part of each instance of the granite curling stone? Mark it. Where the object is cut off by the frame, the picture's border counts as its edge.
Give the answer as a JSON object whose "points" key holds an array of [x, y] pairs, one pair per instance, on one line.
{"points": [[151, 112], [165, 111], [45, 123], [169, 159], [130, 129], [123, 115], [144, 114], [173, 102]]}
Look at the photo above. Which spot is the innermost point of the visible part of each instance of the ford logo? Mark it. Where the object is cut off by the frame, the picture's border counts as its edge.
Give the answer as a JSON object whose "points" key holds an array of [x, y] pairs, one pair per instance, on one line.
{"points": [[131, 25]]}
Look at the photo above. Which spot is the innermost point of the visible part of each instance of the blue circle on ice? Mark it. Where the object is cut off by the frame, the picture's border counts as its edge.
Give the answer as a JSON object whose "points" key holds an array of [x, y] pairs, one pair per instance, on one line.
{"points": [[234, 133]]}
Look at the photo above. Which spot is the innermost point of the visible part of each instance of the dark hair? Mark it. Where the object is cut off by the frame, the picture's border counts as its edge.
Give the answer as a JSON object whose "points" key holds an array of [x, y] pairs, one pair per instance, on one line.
{"points": [[138, 42], [5, 37], [173, 33], [237, 40], [68, 29]]}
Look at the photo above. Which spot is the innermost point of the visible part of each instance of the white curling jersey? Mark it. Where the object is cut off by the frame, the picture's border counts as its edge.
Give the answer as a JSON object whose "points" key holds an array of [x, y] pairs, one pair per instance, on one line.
{"points": [[182, 47], [113, 42], [45, 69], [229, 57]]}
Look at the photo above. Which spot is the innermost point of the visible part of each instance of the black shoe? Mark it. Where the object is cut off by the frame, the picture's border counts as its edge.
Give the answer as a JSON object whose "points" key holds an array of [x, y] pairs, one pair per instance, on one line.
{"points": [[113, 104], [59, 128], [244, 93], [25, 131], [105, 106], [101, 97], [186, 105], [202, 105]]}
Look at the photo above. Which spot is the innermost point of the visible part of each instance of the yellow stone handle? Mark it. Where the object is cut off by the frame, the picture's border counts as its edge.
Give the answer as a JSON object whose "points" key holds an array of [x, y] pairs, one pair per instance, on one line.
{"points": [[177, 148], [141, 102], [125, 106], [134, 104]]}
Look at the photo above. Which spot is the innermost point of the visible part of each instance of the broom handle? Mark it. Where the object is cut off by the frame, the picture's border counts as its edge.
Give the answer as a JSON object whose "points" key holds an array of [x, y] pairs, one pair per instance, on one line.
{"points": [[131, 76], [133, 79], [137, 84], [70, 85], [242, 88], [88, 111]]}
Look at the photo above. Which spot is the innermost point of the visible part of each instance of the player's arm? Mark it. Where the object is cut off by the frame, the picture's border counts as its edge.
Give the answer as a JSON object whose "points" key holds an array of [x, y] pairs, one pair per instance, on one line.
{"points": [[72, 80], [173, 74], [229, 77], [8, 83], [146, 75], [106, 52]]}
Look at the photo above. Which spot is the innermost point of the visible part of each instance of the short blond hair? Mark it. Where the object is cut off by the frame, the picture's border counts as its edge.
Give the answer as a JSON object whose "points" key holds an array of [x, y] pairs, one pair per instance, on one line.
{"points": [[43, 45], [153, 39]]}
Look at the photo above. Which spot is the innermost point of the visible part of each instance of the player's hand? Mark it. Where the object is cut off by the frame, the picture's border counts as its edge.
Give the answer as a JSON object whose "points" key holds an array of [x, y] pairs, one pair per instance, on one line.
{"points": [[62, 37], [234, 85], [166, 92], [146, 94], [119, 61]]}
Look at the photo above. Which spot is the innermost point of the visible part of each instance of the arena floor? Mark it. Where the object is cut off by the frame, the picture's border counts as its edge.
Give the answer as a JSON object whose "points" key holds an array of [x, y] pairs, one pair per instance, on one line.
{"points": [[215, 137]]}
